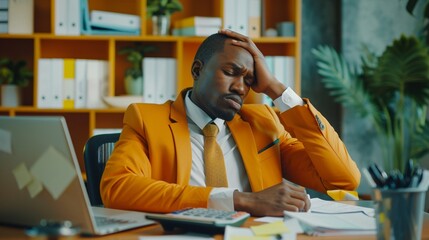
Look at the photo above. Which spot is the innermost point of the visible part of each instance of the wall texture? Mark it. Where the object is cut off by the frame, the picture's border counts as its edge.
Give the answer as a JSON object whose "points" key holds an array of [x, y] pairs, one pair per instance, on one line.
{"points": [[375, 23]]}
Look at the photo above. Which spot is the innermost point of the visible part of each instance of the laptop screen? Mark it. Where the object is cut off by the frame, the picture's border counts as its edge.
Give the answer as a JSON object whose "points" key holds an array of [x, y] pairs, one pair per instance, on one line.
{"points": [[40, 176]]}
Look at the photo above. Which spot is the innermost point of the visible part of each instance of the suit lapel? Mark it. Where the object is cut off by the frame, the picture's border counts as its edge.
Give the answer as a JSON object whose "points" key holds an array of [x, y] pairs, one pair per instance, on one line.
{"points": [[181, 136], [243, 136]]}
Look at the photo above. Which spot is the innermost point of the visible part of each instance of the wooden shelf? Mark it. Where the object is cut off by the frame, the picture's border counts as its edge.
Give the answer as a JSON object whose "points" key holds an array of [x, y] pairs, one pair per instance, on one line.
{"points": [[82, 122]]}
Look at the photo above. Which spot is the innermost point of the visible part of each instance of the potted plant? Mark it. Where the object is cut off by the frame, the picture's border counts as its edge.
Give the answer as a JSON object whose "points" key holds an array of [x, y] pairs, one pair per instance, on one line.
{"points": [[160, 11], [13, 76], [391, 89], [134, 74]]}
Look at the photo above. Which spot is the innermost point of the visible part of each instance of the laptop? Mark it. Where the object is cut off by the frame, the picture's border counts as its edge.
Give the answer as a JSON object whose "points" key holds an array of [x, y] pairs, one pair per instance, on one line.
{"points": [[40, 179]]}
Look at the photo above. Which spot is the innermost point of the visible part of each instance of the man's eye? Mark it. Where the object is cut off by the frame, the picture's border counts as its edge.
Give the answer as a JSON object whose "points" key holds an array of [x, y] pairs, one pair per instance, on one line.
{"points": [[228, 73]]}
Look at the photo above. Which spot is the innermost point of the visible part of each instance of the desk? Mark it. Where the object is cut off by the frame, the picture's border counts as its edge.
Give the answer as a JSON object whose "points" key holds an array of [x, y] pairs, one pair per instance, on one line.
{"points": [[18, 233]]}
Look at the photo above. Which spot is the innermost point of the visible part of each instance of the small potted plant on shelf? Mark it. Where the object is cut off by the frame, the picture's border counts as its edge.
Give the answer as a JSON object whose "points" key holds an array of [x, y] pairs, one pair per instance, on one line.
{"points": [[134, 74], [160, 12], [13, 76]]}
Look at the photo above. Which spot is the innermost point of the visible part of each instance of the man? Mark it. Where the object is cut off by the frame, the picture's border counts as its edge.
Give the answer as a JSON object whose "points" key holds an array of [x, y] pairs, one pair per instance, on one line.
{"points": [[158, 162]]}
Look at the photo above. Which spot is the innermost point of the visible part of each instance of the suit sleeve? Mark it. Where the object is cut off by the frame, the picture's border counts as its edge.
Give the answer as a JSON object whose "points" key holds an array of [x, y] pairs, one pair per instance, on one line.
{"points": [[127, 181], [317, 159]]}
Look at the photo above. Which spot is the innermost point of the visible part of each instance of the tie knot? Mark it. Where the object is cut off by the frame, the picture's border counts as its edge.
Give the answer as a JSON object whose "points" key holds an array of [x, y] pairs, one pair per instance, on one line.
{"points": [[210, 130]]}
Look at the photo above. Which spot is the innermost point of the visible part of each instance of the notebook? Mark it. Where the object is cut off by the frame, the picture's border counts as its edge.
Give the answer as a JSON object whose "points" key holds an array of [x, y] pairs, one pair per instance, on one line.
{"points": [[40, 179]]}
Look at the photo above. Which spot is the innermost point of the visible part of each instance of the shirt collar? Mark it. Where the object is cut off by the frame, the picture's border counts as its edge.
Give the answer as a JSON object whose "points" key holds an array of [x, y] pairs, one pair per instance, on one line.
{"points": [[198, 116]]}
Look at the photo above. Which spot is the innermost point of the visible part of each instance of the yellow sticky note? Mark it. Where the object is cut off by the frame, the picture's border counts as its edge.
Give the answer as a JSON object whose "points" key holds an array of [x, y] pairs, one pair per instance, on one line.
{"points": [[54, 171], [22, 175], [273, 228], [341, 195], [34, 188]]}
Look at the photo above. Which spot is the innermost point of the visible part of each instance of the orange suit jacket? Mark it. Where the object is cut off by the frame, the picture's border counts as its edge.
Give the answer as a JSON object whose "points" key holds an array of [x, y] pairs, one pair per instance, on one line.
{"points": [[150, 167]]}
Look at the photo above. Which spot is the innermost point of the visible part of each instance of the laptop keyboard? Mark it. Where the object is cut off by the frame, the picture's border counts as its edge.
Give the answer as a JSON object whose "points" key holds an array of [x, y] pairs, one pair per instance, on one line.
{"points": [[105, 221]]}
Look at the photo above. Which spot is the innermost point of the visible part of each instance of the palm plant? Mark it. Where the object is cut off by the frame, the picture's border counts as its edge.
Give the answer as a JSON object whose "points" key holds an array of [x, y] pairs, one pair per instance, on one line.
{"points": [[391, 89]]}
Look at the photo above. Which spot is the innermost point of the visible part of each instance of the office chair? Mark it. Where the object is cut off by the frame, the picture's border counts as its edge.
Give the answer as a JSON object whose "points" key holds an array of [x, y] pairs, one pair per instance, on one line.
{"points": [[96, 152]]}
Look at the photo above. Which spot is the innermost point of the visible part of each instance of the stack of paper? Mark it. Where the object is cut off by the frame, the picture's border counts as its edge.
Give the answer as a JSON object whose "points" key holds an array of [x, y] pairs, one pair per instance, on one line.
{"points": [[329, 218]]}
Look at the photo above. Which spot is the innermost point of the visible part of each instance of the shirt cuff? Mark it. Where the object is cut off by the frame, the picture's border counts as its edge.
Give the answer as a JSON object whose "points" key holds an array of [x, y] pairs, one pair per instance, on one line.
{"points": [[222, 199], [288, 100]]}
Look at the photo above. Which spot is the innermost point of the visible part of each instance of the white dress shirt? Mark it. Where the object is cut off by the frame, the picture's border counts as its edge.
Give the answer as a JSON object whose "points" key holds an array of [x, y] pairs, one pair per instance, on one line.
{"points": [[222, 198]]}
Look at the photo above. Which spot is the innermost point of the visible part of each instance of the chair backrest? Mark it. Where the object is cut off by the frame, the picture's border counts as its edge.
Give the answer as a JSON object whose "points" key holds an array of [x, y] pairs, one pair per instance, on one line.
{"points": [[96, 152]]}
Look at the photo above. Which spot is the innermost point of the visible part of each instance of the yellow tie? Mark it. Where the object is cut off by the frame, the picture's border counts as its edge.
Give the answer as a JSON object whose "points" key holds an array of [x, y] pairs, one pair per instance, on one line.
{"points": [[214, 165]]}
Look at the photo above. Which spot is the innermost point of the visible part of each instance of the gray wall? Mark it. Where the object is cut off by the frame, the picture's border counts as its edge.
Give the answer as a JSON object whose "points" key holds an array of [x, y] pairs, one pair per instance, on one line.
{"points": [[374, 23], [347, 25]]}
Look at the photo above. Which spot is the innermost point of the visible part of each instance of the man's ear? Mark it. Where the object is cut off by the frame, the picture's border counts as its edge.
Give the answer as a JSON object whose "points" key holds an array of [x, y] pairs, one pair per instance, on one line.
{"points": [[197, 65]]}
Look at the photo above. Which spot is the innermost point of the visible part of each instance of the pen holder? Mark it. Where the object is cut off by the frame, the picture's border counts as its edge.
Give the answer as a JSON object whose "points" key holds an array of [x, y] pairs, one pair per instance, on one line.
{"points": [[399, 213]]}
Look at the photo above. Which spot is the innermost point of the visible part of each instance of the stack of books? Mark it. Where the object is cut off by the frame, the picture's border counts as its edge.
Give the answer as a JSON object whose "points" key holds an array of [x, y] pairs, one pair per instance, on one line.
{"points": [[197, 26]]}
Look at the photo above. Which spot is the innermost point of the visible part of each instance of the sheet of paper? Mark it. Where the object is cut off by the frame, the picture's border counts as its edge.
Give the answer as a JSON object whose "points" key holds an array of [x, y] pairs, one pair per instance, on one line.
{"points": [[54, 171], [34, 188], [273, 228], [322, 206], [5, 141], [22, 175], [342, 221], [293, 225]]}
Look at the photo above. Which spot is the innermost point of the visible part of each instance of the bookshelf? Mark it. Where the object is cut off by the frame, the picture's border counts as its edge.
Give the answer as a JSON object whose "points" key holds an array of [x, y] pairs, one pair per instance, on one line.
{"points": [[43, 43]]}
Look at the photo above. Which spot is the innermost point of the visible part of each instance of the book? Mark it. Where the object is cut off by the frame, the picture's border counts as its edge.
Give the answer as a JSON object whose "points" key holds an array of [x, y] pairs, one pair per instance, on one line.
{"points": [[198, 21], [195, 31]]}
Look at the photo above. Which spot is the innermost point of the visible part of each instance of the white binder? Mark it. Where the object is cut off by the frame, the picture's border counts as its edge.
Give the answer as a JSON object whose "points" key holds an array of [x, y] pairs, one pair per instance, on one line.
{"points": [[43, 82], [149, 79], [80, 84], [57, 71], [73, 17], [61, 17]]}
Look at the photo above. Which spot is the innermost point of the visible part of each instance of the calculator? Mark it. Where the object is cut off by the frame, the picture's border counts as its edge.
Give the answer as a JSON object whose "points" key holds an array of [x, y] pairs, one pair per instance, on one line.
{"points": [[200, 219]]}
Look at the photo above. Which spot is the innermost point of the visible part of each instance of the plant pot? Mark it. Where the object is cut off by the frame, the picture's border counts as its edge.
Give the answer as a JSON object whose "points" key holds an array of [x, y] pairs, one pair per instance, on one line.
{"points": [[134, 86], [10, 95], [160, 25]]}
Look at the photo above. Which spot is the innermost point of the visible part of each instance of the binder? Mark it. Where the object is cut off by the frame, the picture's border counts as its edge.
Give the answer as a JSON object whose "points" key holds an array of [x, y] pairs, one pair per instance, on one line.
{"points": [[115, 21], [229, 11], [80, 84], [97, 78], [73, 17], [21, 17], [242, 17], [161, 80], [4, 4], [290, 72], [254, 18], [149, 79], [4, 27], [57, 73], [171, 79], [61, 17], [43, 82], [3, 15], [88, 29], [68, 83]]}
